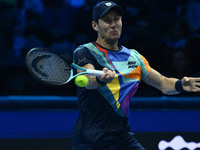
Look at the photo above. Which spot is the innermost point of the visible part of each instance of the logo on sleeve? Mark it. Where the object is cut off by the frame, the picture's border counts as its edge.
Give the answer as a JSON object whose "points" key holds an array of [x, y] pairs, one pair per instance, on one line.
{"points": [[81, 60]]}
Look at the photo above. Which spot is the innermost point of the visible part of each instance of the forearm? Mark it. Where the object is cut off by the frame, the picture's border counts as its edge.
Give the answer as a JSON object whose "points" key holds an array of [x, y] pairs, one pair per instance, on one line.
{"points": [[92, 84], [168, 86], [164, 84], [96, 82]]}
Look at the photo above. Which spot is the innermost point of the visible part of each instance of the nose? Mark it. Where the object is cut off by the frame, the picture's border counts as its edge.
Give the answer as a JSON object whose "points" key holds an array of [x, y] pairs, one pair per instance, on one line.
{"points": [[113, 24]]}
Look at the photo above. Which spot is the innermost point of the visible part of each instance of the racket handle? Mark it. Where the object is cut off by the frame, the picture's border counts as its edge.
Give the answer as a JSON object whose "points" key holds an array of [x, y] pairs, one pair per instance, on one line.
{"points": [[94, 72]]}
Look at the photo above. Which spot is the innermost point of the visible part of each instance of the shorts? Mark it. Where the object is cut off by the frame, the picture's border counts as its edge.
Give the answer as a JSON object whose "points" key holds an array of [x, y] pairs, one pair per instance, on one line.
{"points": [[126, 142]]}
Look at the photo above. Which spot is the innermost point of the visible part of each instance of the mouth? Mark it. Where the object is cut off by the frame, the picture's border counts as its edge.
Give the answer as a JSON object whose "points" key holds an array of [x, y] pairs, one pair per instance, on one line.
{"points": [[114, 33]]}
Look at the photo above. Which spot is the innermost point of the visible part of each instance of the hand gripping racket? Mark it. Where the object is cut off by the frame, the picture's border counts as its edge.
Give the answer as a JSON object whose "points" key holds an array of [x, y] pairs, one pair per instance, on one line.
{"points": [[51, 68]]}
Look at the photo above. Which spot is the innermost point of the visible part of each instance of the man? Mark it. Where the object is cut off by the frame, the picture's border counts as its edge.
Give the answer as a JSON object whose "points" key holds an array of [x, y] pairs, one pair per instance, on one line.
{"points": [[104, 102]]}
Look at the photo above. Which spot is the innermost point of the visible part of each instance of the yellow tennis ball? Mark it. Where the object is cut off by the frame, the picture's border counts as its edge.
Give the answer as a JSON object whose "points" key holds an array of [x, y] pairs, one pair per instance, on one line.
{"points": [[81, 80]]}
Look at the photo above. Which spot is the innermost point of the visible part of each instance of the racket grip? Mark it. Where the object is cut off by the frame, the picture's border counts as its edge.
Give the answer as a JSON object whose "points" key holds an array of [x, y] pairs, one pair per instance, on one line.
{"points": [[93, 72]]}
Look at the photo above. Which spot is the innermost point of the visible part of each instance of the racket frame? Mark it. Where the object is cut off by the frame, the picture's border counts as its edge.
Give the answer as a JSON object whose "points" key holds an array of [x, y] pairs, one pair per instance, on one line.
{"points": [[70, 63]]}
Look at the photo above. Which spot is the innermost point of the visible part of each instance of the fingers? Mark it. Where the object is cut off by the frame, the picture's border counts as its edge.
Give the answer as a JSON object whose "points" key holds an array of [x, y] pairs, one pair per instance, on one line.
{"points": [[186, 79], [189, 80], [109, 72], [197, 84], [197, 89], [191, 84], [196, 79], [108, 75]]}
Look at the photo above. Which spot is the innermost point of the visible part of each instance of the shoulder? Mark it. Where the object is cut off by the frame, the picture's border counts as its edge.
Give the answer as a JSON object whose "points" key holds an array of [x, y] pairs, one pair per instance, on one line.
{"points": [[132, 52], [130, 49], [135, 52], [84, 48], [81, 48], [82, 55]]}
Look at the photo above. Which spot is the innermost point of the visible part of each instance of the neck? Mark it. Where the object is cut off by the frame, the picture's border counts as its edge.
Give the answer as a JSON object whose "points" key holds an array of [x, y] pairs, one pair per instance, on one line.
{"points": [[111, 45]]}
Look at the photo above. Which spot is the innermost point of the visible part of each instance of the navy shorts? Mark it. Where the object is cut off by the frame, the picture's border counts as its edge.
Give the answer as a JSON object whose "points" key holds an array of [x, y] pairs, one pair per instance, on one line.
{"points": [[126, 142]]}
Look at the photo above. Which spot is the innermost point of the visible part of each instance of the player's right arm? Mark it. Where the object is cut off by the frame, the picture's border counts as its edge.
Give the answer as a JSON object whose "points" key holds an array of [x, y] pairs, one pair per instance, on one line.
{"points": [[108, 76], [85, 59]]}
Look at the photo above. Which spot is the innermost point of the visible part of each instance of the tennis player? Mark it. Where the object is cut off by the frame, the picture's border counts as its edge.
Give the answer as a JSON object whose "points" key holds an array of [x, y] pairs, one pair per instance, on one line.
{"points": [[104, 103]]}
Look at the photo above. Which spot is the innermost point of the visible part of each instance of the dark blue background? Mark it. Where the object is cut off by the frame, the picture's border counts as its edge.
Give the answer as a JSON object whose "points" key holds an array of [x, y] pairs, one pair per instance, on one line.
{"points": [[42, 121]]}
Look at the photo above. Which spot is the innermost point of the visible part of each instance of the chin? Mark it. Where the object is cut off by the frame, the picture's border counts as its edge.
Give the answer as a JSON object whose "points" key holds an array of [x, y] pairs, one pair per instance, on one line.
{"points": [[115, 38]]}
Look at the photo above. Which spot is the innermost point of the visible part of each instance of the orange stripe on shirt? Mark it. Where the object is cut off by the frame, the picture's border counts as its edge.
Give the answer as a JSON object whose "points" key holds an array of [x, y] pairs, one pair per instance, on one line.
{"points": [[135, 74], [146, 63], [105, 52]]}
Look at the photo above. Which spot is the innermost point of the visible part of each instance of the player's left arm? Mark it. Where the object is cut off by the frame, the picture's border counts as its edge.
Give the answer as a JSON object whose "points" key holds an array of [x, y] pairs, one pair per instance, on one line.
{"points": [[171, 86]]}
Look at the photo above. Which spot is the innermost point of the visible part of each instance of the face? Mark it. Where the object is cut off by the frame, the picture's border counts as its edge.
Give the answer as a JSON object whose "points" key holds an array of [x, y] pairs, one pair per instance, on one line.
{"points": [[109, 27]]}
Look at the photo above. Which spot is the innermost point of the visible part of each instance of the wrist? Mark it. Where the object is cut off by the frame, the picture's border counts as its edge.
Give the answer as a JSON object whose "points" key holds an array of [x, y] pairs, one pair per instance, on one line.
{"points": [[178, 86], [100, 82]]}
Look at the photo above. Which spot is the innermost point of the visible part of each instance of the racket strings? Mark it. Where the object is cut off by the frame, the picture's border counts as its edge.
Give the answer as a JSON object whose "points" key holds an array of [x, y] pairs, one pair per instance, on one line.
{"points": [[50, 68], [57, 75]]}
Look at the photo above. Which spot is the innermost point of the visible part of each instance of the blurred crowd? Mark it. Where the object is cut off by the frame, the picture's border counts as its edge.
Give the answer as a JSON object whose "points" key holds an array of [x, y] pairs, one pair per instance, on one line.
{"points": [[166, 32]]}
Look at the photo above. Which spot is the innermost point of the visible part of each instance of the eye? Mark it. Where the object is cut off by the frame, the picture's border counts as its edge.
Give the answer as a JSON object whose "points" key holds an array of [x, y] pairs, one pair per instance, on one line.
{"points": [[116, 18], [107, 20]]}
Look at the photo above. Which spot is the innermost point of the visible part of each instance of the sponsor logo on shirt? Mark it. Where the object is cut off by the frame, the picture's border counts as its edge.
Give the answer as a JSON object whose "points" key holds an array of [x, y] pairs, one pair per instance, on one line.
{"points": [[132, 64]]}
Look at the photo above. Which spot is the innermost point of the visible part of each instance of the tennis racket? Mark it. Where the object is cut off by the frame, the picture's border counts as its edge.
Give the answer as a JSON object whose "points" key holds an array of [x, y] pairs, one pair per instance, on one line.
{"points": [[51, 68]]}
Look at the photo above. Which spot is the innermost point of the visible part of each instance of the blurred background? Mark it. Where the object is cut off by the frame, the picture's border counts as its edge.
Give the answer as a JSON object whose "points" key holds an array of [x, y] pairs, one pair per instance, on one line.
{"points": [[165, 32]]}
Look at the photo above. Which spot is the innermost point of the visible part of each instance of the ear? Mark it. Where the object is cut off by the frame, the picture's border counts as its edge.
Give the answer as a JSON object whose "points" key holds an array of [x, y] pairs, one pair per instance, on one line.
{"points": [[95, 26]]}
